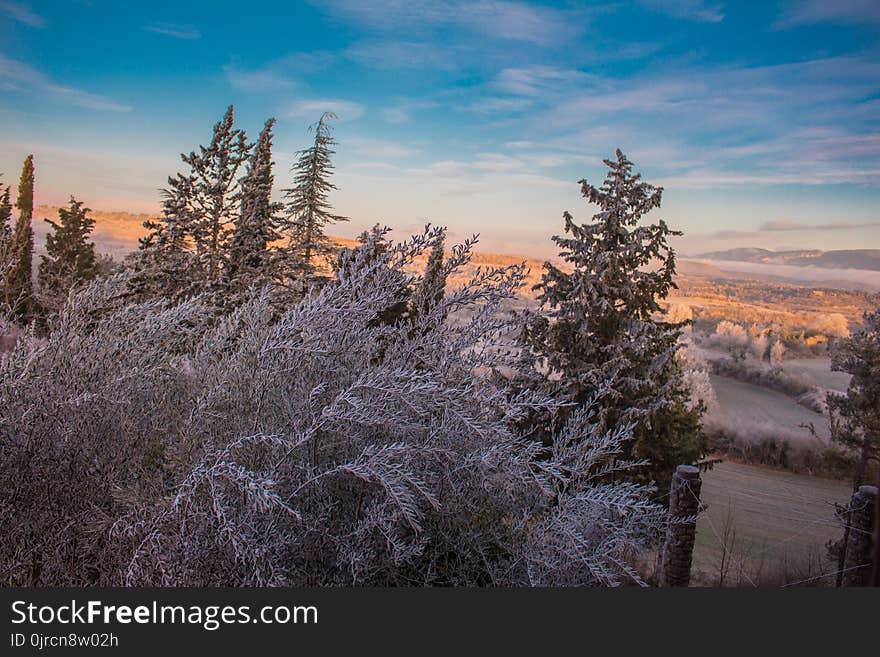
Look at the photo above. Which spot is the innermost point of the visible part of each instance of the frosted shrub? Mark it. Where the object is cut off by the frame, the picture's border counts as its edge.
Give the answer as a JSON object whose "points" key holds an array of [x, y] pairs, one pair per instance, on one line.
{"points": [[695, 373], [833, 325], [678, 313], [159, 444], [759, 345], [777, 352]]}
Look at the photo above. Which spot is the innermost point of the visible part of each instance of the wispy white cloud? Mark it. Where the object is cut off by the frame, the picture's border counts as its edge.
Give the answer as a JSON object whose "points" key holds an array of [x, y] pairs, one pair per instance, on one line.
{"points": [[696, 10], [807, 12], [394, 54], [345, 110], [535, 80], [278, 74], [18, 76], [499, 19], [786, 225], [22, 13], [702, 127], [380, 148], [404, 108], [395, 115], [185, 32]]}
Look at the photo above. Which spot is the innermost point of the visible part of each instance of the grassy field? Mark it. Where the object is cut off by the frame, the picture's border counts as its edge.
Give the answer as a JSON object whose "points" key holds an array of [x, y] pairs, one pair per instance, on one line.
{"points": [[742, 406], [775, 525], [817, 371]]}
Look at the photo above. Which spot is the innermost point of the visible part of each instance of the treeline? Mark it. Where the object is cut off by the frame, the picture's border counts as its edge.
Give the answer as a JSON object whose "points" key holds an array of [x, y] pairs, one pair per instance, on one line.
{"points": [[241, 404], [220, 232]]}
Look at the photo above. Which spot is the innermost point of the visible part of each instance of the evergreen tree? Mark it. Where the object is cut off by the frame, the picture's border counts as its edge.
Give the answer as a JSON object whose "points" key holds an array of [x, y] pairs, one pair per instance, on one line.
{"points": [[249, 257], [5, 238], [308, 209], [200, 206], [70, 255], [599, 330], [19, 289], [5, 224], [855, 416]]}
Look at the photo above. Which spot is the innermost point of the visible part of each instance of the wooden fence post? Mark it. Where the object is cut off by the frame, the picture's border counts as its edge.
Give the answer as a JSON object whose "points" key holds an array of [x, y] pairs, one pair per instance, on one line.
{"points": [[857, 571], [684, 502]]}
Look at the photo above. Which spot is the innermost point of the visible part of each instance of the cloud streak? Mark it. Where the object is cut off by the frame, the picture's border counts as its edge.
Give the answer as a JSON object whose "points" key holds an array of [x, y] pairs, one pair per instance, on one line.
{"points": [[345, 110], [183, 32], [15, 75], [22, 13], [497, 19], [809, 12]]}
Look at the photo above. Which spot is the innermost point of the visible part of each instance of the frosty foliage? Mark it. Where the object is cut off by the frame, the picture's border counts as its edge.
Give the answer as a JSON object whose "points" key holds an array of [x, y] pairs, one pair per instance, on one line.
{"points": [[157, 443]]}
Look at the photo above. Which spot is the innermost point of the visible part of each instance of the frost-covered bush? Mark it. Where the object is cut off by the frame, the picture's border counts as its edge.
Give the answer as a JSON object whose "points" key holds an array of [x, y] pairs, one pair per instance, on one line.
{"points": [[695, 372], [678, 313], [157, 443], [833, 325], [730, 334]]}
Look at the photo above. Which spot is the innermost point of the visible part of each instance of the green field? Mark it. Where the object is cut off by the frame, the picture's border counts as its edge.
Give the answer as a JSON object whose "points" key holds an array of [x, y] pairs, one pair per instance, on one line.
{"points": [[776, 525]]}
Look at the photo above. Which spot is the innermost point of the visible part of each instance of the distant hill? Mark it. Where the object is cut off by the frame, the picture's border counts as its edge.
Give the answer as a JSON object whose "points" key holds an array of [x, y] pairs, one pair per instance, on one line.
{"points": [[841, 259]]}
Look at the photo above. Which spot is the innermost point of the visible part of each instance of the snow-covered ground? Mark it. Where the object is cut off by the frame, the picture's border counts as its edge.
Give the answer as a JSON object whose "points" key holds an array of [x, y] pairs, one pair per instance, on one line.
{"points": [[817, 371], [745, 407]]}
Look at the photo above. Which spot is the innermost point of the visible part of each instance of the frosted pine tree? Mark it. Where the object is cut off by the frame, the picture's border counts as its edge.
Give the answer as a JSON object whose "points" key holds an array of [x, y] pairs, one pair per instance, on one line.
{"points": [[598, 330], [70, 254], [855, 416], [250, 260], [186, 249], [308, 210], [18, 282]]}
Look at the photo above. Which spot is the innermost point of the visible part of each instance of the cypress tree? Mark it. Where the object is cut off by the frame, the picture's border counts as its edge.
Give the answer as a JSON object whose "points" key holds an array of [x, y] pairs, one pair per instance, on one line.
{"points": [[5, 224], [255, 229], [5, 237], [308, 209], [70, 255], [19, 290]]}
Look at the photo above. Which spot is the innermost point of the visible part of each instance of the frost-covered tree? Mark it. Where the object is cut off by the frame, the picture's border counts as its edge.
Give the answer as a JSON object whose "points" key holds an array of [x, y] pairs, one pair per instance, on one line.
{"points": [[598, 325], [70, 255], [308, 211], [200, 206], [250, 260], [18, 282], [178, 449], [855, 416]]}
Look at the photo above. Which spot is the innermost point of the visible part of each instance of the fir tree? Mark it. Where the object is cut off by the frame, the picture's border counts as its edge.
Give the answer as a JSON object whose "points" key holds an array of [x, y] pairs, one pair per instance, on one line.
{"points": [[19, 290], [249, 257], [186, 249], [70, 255], [855, 416], [599, 331], [308, 209]]}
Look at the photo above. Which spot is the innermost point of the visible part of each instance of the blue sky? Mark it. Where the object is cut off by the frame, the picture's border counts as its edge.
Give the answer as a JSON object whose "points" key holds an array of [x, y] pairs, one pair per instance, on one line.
{"points": [[761, 120]]}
